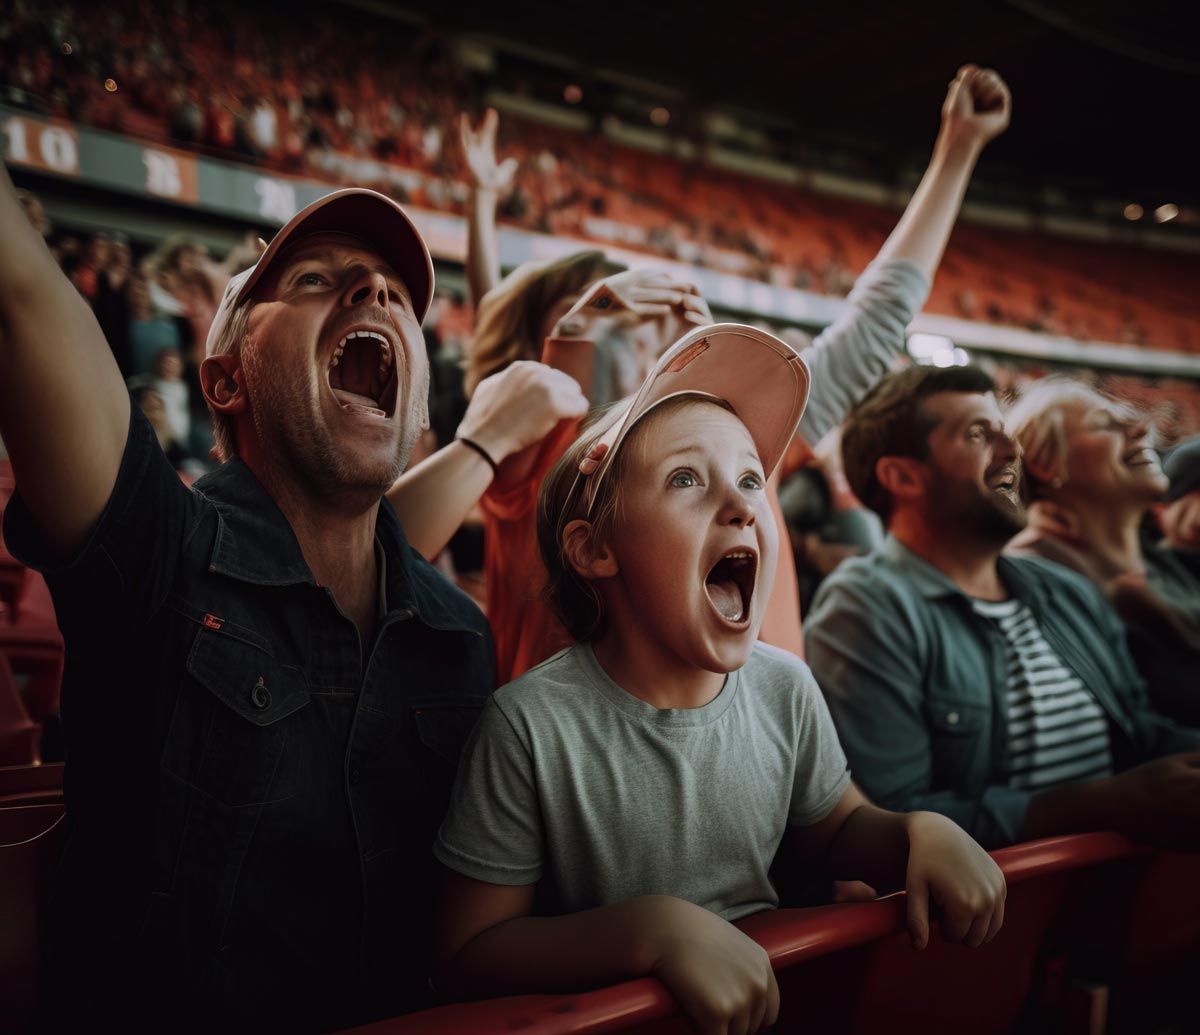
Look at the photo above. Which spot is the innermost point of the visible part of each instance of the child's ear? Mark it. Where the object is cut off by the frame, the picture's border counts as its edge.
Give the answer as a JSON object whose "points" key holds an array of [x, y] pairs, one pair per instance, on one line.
{"points": [[589, 558]]}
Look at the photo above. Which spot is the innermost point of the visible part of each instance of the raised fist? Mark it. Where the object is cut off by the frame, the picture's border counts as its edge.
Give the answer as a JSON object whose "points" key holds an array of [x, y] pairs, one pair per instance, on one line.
{"points": [[978, 106], [520, 406]]}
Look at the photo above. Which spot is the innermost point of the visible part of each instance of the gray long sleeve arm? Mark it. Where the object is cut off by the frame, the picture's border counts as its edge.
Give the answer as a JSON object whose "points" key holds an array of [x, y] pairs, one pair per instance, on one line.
{"points": [[857, 349]]}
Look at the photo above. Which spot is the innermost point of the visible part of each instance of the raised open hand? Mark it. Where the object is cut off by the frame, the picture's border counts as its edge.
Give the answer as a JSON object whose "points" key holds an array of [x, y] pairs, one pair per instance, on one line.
{"points": [[479, 149]]}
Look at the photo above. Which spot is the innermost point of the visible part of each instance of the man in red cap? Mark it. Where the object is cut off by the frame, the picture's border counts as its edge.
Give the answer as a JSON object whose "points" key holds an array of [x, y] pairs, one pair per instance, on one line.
{"points": [[266, 689]]}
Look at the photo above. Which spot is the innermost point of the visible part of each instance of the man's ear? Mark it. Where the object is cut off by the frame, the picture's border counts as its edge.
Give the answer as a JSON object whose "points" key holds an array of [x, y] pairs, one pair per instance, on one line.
{"points": [[1042, 469], [904, 477], [221, 382], [589, 558]]}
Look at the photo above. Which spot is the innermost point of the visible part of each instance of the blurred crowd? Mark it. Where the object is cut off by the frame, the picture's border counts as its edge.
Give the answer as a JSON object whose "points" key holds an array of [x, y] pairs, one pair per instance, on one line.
{"points": [[155, 305], [373, 107]]}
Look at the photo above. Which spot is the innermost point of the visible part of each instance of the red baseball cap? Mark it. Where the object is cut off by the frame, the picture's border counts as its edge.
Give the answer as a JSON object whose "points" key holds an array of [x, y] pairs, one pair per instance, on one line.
{"points": [[373, 218]]}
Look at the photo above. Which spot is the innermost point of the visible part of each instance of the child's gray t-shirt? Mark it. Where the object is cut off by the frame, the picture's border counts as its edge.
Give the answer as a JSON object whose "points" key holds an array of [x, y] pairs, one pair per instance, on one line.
{"points": [[569, 778]]}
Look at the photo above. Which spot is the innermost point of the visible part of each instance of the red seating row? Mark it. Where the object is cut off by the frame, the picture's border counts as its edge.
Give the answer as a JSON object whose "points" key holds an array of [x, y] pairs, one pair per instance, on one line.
{"points": [[1133, 916], [22, 785], [31, 652], [1089, 907], [30, 842]]}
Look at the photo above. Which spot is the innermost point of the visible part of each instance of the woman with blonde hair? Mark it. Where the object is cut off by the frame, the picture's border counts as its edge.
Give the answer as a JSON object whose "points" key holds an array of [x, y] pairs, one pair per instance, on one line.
{"points": [[1092, 474], [519, 313]]}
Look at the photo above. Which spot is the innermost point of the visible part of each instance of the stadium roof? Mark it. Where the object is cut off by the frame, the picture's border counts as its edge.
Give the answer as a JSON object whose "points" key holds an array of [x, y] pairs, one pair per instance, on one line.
{"points": [[1106, 94]]}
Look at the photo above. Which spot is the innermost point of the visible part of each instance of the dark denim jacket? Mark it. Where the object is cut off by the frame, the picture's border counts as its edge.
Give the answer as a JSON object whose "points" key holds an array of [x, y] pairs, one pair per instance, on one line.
{"points": [[252, 794], [915, 681]]}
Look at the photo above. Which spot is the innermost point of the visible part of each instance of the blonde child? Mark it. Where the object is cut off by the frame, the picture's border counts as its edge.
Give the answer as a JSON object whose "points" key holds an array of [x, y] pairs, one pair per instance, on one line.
{"points": [[620, 804]]}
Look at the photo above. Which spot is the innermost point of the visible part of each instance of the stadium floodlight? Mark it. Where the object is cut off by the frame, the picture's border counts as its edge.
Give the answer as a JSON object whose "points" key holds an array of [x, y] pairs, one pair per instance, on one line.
{"points": [[1134, 211], [1165, 213], [924, 347], [943, 358]]}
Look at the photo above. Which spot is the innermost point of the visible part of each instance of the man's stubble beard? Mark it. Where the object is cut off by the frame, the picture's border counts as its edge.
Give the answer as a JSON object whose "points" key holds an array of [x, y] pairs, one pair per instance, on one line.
{"points": [[991, 517], [294, 441]]}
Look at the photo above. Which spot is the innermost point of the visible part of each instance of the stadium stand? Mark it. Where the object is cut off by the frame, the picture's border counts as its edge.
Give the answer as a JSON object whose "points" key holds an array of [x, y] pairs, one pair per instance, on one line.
{"points": [[285, 103]]}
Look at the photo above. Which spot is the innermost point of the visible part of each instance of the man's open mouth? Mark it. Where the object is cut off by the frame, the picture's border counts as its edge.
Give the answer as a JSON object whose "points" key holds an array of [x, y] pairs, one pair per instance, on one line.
{"points": [[1003, 481], [730, 585], [362, 374]]}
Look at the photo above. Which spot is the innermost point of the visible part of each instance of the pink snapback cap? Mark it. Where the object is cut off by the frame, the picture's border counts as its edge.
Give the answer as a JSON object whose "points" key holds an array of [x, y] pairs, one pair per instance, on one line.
{"points": [[762, 378]]}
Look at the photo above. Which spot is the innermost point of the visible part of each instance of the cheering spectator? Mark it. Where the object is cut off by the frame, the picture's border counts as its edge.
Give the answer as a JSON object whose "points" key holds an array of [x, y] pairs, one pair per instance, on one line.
{"points": [[845, 361], [996, 690], [111, 304], [625, 799], [1092, 475], [1180, 512], [153, 406], [149, 332]]}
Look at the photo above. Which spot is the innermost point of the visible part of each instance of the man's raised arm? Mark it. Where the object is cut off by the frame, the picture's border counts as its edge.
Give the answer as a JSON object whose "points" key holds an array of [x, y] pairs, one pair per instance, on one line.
{"points": [[64, 410]]}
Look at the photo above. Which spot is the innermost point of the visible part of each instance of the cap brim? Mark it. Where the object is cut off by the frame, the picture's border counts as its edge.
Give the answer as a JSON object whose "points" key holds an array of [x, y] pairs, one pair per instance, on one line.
{"points": [[357, 212], [762, 378]]}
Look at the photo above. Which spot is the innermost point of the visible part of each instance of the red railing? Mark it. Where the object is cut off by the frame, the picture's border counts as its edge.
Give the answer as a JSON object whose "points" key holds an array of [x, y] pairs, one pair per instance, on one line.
{"points": [[1092, 906], [851, 968]]}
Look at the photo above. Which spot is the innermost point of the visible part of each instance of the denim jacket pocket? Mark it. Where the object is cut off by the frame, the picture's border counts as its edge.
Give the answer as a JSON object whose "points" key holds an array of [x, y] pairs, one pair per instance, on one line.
{"points": [[247, 678], [959, 740], [228, 732]]}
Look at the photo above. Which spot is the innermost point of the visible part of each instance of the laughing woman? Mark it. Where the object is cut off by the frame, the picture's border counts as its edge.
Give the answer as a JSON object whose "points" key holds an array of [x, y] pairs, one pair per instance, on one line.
{"points": [[1092, 475]]}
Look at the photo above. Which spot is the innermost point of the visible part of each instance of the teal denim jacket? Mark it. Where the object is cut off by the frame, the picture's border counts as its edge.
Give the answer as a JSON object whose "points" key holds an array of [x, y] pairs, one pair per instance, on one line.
{"points": [[915, 681]]}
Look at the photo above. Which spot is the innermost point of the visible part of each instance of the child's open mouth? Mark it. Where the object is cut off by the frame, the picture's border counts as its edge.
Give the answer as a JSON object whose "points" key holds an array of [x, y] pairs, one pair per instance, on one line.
{"points": [[730, 585]]}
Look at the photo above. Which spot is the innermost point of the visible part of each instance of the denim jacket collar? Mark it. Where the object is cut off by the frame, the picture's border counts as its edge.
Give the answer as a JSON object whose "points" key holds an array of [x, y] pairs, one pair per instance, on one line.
{"points": [[255, 543], [933, 584]]}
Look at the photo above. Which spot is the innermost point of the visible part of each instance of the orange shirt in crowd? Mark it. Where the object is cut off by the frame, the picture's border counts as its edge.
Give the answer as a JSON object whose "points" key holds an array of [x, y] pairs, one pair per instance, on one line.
{"points": [[525, 630], [523, 627]]}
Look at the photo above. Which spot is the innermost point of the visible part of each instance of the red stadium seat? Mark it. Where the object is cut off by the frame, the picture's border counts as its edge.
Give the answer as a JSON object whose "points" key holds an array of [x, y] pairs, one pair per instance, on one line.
{"points": [[36, 653], [31, 785], [20, 736], [30, 840], [14, 578]]}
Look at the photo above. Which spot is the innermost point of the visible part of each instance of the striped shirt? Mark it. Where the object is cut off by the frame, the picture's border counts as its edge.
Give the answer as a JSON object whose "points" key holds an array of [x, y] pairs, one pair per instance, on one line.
{"points": [[1056, 731]]}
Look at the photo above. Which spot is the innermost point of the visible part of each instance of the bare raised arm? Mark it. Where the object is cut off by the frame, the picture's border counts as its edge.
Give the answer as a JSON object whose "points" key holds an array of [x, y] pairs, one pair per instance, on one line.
{"points": [[489, 179], [852, 354], [977, 109], [509, 411], [64, 410]]}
